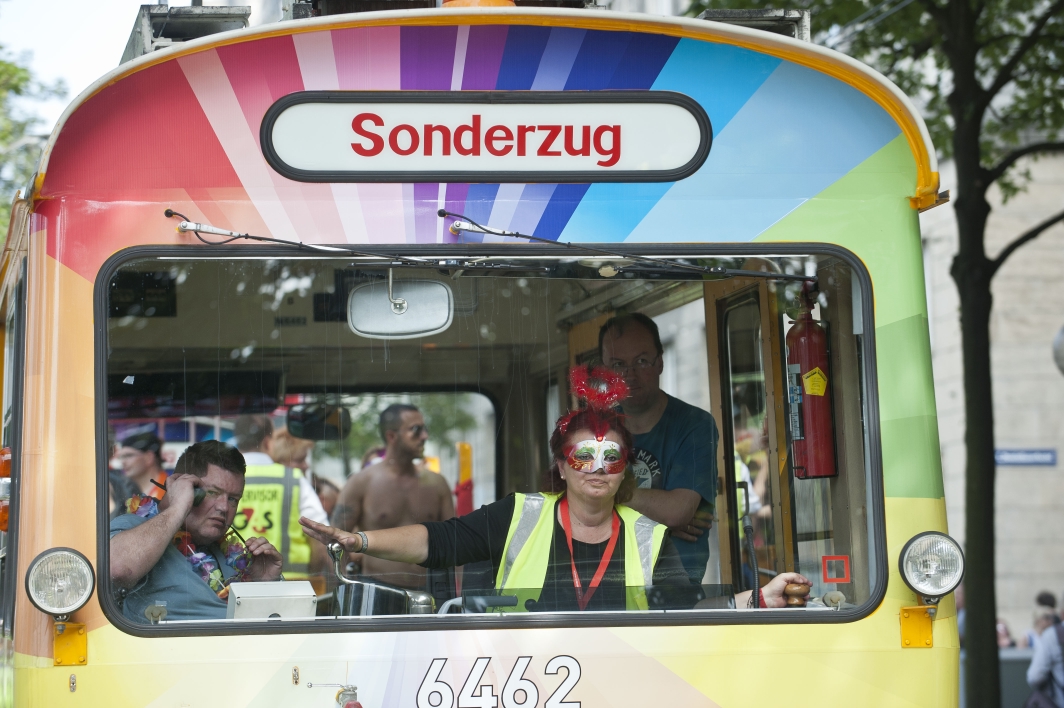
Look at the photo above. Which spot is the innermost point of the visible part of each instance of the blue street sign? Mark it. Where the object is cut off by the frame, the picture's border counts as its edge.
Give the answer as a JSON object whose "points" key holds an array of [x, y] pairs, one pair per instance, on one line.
{"points": [[1026, 458]]}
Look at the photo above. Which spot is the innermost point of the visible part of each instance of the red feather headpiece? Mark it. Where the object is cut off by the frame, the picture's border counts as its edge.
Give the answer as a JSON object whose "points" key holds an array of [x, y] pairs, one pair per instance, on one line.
{"points": [[601, 389]]}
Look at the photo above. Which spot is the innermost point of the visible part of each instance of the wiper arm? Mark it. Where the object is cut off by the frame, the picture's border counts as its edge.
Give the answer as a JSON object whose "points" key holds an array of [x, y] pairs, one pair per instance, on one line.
{"points": [[464, 223], [199, 229]]}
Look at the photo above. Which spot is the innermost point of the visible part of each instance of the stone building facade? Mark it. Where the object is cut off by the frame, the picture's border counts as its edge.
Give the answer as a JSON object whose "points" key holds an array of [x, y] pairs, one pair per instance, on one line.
{"points": [[1028, 388]]}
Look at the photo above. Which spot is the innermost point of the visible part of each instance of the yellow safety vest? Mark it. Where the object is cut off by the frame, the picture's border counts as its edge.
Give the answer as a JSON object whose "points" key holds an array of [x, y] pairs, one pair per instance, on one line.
{"points": [[528, 542], [270, 508]]}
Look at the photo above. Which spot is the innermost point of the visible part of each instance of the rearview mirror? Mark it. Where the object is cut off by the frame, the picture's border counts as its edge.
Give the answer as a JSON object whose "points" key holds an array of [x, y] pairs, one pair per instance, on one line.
{"points": [[318, 421], [402, 309]]}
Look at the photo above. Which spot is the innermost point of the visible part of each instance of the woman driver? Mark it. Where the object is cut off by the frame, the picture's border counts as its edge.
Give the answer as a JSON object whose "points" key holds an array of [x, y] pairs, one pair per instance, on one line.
{"points": [[576, 547]]}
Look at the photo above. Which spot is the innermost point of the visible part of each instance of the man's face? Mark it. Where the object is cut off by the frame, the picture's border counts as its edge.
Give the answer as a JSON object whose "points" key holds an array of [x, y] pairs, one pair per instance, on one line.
{"points": [[633, 355], [208, 522], [411, 434], [135, 463]]}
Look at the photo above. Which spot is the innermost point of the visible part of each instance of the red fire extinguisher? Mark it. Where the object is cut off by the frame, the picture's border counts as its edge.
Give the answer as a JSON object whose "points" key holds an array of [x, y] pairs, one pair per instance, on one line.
{"points": [[809, 393]]}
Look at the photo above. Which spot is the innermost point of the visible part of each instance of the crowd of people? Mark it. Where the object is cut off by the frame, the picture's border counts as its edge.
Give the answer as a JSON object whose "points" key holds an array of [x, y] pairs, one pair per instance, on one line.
{"points": [[632, 468]]}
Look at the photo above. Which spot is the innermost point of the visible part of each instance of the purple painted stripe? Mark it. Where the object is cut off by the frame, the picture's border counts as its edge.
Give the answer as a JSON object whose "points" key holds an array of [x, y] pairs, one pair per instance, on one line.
{"points": [[426, 198], [558, 57], [483, 57], [427, 56]]}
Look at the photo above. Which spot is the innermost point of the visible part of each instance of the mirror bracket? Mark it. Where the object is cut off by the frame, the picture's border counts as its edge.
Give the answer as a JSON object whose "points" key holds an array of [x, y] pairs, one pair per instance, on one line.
{"points": [[398, 304]]}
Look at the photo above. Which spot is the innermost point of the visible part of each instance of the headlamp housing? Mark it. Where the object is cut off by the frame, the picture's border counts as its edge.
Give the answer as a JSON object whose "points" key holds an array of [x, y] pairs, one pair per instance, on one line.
{"points": [[931, 564], [60, 581]]}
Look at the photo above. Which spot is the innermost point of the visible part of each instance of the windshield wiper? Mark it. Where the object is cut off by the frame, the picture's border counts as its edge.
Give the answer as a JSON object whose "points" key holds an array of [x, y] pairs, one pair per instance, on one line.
{"points": [[464, 223], [199, 229]]}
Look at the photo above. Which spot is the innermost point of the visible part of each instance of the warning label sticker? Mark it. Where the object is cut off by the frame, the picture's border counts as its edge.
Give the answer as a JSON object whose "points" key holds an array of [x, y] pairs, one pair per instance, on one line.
{"points": [[815, 382]]}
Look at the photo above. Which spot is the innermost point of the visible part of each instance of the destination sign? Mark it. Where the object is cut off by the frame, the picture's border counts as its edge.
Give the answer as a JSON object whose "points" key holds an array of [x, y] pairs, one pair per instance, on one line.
{"points": [[511, 136]]}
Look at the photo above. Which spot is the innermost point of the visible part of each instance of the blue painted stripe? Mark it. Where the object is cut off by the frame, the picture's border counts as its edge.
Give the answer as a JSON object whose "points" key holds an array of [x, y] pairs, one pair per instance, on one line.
{"points": [[479, 201], [529, 210], [562, 204], [721, 78], [644, 57], [520, 58], [801, 132], [597, 60], [558, 57]]}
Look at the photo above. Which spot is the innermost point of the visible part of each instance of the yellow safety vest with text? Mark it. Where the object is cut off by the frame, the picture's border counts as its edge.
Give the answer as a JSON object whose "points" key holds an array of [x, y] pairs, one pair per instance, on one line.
{"points": [[270, 508], [526, 555]]}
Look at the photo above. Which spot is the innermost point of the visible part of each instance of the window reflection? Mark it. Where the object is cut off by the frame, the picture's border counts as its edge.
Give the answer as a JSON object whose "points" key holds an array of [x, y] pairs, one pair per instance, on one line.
{"points": [[372, 432]]}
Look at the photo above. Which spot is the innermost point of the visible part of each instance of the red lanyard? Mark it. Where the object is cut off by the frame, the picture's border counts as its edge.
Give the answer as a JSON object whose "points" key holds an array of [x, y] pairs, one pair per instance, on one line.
{"points": [[581, 598]]}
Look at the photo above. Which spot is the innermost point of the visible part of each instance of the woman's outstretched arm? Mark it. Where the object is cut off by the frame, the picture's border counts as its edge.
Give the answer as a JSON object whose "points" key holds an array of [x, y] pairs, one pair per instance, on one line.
{"points": [[406, 544]]}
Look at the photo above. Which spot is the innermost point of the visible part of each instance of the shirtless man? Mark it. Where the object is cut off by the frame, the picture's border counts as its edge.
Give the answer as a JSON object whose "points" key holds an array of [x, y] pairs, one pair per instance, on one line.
{"points": [[394, 492]]}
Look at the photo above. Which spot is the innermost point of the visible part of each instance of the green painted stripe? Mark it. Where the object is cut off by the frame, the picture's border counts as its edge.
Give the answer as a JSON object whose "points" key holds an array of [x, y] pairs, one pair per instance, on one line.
{"points": [[867, 211], [903, 361], [912, 466]]}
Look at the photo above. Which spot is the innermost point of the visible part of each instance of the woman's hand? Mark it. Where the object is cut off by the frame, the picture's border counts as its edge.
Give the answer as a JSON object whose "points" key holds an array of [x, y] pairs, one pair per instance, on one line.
{"points": [[352, 543], [266, 561], [773, 589]]}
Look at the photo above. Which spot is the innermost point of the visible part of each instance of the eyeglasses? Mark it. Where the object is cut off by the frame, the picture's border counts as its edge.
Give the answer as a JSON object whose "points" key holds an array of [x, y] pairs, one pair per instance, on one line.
{"points": [[638, 364], [418, 430]]}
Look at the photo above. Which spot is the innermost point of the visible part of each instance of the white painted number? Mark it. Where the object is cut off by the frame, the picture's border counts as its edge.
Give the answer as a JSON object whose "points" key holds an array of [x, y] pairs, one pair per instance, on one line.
{"points": [[432, 687], [518, 682], [467, 699], [435, 693], [557, 699]]}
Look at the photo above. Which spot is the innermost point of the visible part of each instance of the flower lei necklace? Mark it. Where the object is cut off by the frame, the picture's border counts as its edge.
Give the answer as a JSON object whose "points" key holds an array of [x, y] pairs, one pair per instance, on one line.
{"points": [[205, 564]]}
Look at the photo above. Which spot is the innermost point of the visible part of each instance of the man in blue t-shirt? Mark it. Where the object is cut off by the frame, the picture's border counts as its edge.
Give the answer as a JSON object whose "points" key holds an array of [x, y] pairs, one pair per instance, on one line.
{"points": [[167, 554], [676, 443]]}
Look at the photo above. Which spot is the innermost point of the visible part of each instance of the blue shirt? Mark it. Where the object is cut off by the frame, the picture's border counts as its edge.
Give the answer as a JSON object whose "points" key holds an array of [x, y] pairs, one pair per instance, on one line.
{"points": [[1047, 665], [174, 581], [680, 452]]}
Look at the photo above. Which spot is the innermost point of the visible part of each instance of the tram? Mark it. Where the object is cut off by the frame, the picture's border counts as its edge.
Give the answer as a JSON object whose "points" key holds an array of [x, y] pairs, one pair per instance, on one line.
{"points": [[454, 201]]}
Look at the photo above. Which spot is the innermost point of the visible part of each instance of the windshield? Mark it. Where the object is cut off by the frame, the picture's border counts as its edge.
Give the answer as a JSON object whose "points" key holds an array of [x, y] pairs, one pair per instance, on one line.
{"points": [[466, 404]]}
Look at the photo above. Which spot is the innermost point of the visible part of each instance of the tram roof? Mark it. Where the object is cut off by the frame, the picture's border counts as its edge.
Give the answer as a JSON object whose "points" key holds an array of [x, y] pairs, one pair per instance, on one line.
{"points": [[835, 64]]}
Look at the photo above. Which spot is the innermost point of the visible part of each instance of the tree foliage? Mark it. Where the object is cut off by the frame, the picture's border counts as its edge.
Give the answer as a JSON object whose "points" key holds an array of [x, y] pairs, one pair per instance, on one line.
{"points": [[989, 78], [20, 132], [992, 64]]}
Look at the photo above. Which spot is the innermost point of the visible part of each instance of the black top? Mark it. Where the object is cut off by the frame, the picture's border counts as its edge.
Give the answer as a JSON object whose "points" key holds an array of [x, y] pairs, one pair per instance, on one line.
{"points": [[481, 536]]}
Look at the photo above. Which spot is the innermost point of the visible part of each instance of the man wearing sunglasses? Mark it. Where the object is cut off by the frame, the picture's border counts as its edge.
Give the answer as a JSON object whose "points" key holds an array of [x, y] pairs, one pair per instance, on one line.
{"points": [[174, 559], [675, 443], [395, 491]]}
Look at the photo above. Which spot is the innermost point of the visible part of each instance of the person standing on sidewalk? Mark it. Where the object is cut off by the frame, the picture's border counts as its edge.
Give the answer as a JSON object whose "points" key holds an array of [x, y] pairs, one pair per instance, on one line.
{"points": [[1046, 673]]}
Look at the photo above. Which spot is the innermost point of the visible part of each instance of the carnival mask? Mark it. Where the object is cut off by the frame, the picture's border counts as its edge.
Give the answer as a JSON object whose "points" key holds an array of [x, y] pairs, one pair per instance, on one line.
{"points": [[593, 455]]}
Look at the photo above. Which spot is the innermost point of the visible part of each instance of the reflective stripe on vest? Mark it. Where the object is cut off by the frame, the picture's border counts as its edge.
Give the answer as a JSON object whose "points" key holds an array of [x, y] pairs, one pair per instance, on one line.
{"points": [[271, 496], [528, 543]]}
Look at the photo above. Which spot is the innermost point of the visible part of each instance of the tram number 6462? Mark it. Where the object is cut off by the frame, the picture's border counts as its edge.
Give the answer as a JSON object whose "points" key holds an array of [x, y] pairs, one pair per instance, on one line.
{"points": [[517, 692]]}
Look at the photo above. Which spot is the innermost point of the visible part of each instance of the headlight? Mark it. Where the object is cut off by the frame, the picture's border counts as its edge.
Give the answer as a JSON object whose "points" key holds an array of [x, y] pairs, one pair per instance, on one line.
{"points": [[931, 564], [60, 581]]}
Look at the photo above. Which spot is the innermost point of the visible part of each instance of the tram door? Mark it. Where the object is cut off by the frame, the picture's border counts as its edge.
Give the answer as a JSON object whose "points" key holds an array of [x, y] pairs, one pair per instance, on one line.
{"points": [[817, 526], [746, 394]]}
